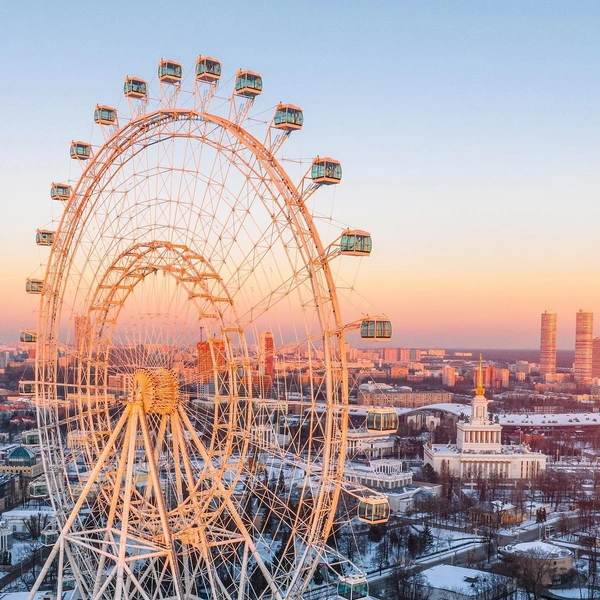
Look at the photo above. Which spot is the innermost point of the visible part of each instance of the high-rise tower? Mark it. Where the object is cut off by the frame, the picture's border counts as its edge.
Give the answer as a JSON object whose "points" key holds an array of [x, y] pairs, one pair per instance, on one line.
{"points": [[265, 353], [584, 326], [548, 343], [596, 357]]}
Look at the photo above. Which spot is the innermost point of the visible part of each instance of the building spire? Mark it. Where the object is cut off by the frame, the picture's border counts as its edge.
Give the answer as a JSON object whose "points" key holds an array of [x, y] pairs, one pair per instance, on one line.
{"points": [[480, 390]]}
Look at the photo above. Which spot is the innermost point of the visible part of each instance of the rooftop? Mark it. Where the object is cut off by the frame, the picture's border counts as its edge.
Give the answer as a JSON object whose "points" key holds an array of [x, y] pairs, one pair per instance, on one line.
{"points": [[539, 548], [461, 580], [453, 450]]}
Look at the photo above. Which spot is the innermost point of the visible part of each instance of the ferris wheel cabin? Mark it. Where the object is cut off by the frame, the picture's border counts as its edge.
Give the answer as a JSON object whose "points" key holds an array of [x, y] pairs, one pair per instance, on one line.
{"points": [[49, 537], [60, 191], [135, 88], [382, 420], [43, 237], [248, 84], [105, 115], [28, 336], [352, 587], [80, 150], [27, 388], [326, 171], [208, 69], [355, 243], [34, 286], [38, 489], [288, 117], [374, 510], [169, 71], [376, 329]]}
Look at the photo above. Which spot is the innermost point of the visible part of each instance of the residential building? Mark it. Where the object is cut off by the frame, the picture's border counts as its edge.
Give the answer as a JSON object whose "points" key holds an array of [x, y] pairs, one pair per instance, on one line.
{"points": [[584, 326], [596, 357], [448, 375], [448, 582], [385, 395], [548, 343]]}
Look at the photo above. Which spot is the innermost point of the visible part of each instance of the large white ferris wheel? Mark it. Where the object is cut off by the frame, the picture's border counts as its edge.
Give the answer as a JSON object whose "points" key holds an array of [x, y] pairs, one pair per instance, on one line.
{"points": [[190, 376]]}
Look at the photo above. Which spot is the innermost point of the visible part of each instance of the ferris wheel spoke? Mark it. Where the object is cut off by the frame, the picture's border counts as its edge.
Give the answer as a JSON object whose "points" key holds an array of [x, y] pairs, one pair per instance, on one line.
{"points": [[233, 510]]}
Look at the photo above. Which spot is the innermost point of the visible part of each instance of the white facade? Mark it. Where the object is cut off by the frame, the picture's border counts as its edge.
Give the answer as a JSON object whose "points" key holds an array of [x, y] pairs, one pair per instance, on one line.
{"points": [[360, 441], [387, 476], [479, 450]]}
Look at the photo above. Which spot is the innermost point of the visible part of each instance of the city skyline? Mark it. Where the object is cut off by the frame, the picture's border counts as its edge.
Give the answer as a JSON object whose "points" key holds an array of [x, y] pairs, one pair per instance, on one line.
{"points": [[468, 153]]}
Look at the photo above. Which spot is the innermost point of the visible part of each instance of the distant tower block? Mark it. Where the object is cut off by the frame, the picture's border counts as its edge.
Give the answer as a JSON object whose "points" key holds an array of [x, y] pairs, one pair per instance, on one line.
{"points": [[596, 357], [265, 353], [548, 343], [584, 326], [206, 368]]}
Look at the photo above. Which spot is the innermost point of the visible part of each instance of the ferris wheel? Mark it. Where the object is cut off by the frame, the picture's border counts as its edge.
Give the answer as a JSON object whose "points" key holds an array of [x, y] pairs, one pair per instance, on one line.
{"points": [[191, 376]]}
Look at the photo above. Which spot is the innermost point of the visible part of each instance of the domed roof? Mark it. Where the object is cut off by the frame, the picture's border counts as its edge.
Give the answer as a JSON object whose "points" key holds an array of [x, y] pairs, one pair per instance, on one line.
{"points": [[20, 457]]}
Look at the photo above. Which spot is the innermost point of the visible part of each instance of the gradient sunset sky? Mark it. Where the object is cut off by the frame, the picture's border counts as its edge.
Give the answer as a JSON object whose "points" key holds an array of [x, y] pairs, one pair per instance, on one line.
{"points": [[469, 134]]}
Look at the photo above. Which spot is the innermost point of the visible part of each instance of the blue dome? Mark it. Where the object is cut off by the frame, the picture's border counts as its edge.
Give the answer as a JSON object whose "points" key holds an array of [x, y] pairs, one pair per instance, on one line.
{"points": [[21, 457]]}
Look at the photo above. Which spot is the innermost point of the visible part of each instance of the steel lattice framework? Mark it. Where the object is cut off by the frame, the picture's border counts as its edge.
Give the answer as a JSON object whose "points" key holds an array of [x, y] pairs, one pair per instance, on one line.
{"points": [[183, 241]]}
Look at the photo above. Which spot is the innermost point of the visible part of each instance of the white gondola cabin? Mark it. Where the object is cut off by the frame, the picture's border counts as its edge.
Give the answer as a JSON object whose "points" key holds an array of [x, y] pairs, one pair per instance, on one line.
{"points": [[326, 171], [288, 117], [68, 582], [105, 115], [355, 243], [30, 438], [248, 84], [28, 336], [60, 191], [38, 489], [352, 587], [382, 420], [44, 237], [27, 388], [376, 329], [135, 88], [374, 510], [208, 69], [49, 537], [169, 71], [80, 150], [34, 286]]}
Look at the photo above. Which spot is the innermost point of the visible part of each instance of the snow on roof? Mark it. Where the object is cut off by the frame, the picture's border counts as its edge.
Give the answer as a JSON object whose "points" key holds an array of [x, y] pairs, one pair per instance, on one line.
{"points": [[451, 407], [67, 595], [458, 579], [24, 513], [540, 548], [550, 419]]}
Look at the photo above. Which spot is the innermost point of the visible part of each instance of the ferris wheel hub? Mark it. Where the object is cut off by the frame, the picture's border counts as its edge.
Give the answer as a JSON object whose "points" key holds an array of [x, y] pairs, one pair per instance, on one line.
{"points": [[157, 390]]}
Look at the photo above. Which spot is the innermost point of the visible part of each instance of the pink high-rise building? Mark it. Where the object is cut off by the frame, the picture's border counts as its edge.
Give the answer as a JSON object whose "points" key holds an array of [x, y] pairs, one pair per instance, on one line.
{"points": [[548, 343], [596, 357], [584, 327]]}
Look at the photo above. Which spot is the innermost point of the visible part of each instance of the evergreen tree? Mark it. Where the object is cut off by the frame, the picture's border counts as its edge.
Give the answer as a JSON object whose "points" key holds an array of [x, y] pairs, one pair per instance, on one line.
{"points": [[426, 538]]}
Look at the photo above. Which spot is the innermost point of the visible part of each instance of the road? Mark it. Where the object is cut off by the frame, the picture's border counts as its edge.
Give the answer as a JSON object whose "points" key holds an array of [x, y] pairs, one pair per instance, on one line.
{"points": [[382, 586]]}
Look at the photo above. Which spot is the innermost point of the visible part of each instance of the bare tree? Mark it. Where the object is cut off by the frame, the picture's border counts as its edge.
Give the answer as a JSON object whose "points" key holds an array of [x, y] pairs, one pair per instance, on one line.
{"points": [[532, 570], [34, 525], [409, 584]]}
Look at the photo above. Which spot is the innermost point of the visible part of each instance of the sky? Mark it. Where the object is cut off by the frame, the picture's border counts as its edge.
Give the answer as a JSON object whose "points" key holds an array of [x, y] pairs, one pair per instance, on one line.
{"points": [[469, 134]]}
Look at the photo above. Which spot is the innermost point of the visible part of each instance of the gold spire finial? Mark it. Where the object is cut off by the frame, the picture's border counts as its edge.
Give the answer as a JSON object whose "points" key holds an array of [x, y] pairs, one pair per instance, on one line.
{"points": [[479, 390]]}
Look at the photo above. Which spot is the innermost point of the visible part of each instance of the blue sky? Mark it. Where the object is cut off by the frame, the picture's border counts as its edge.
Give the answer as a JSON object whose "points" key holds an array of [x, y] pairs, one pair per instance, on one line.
{"points": [[469, 134]]}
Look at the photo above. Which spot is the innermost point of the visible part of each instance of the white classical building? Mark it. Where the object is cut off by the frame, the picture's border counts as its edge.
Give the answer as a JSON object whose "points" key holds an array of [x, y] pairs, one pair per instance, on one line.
{"points": [[386, 476], [479, 451]]}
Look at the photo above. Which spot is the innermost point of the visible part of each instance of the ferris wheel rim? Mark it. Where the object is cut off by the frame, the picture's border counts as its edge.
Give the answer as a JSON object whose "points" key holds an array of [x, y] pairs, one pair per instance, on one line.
{"points": [[300, 220]]}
